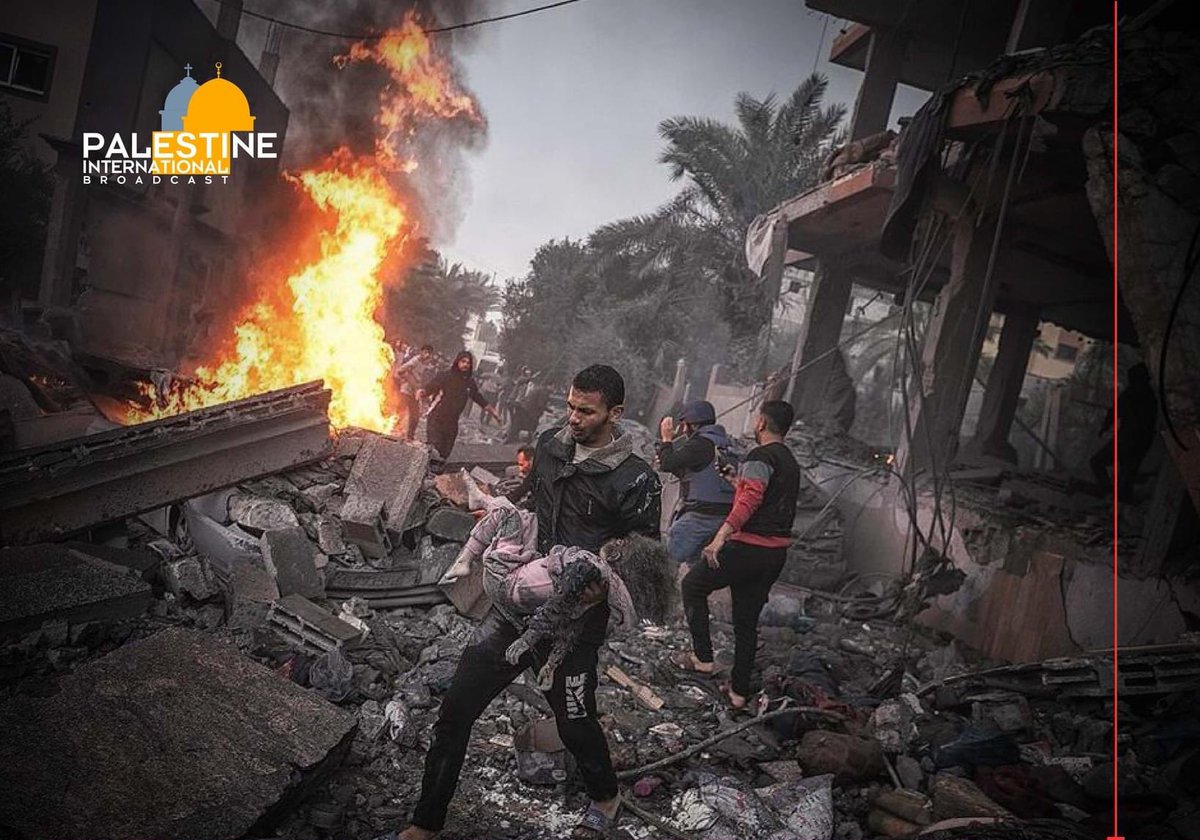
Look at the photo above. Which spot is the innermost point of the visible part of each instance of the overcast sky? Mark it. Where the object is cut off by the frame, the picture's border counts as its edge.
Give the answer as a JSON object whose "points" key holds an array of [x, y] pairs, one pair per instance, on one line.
{"points": [[574, 96]]}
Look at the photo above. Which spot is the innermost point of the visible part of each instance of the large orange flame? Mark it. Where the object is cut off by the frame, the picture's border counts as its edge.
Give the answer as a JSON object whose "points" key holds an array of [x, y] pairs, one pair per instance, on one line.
{"points": [[319, 323]]}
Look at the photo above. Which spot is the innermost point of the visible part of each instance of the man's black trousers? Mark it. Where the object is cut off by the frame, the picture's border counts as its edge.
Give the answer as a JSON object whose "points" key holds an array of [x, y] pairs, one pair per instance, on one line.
{"points": [[483, 673], [749, 571]]}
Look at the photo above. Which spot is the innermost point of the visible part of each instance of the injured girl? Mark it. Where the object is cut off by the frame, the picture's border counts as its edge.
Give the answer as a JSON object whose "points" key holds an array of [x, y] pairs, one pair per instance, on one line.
{"points": [[543, 593]]}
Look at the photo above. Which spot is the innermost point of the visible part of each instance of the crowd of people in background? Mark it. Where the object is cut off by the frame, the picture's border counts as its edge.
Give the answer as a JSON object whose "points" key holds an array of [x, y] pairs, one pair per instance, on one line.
{"points": [[442, 392]]}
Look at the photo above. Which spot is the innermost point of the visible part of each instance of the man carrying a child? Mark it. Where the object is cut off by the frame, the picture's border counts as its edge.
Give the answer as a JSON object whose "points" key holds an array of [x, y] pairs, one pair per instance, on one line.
{"points": [[588, 488]]}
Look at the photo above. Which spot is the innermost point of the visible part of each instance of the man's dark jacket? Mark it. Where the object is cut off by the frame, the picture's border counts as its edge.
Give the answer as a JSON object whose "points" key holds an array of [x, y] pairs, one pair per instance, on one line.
{"points": [[611, 494]]}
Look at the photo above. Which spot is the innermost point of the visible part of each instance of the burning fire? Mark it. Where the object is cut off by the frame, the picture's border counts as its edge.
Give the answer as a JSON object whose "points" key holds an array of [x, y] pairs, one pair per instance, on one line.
{"points": [[319, 323]]}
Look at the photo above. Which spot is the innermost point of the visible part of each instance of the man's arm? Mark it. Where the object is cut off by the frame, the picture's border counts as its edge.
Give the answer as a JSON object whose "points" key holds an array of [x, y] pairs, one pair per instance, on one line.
{"points": [[691, 455], [521, 490], [641, 505], [753, 477]]}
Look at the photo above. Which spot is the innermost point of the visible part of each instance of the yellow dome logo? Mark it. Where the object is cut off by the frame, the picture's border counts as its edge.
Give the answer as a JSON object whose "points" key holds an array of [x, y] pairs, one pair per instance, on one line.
{"points": [[197, 125]]}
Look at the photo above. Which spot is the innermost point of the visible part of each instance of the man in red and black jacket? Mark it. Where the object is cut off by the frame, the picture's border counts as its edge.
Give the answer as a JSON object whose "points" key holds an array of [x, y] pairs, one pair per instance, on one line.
{"points": [[749, 549]]}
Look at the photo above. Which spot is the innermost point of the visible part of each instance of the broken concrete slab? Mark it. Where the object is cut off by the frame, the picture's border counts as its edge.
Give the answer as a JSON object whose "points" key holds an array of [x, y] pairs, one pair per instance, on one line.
{"points": [[392, 470], [53, 582], [450, 524], [957, 797], [362, 521], [291, 558], [258, 514], [57, 490], [143, 563], [210, 746]]}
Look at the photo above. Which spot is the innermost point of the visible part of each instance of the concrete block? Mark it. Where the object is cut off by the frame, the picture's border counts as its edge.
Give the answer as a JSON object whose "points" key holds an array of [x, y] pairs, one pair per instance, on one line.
{"points": [[259, 515], [307, 626], [362, 521], [174, 736], [291, 558], [450, 524], [249, 592], [391, 470], [189, 576]]}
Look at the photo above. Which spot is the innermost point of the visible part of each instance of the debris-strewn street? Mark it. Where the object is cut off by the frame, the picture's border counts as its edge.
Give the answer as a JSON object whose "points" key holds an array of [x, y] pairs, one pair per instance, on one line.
{"points": [[273, 664]]}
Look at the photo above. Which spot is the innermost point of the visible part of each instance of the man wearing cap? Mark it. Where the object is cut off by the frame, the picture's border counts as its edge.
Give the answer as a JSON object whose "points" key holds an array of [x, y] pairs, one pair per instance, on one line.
{"points": [[705, 498]]}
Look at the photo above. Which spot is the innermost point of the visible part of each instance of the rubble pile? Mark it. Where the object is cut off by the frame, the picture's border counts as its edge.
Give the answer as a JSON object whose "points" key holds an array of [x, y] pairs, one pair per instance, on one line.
{"points": [[325, 579]]}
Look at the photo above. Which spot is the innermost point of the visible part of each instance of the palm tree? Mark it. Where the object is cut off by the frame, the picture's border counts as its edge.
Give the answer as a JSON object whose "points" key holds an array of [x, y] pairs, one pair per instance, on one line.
{"points": [[733, 174], [434, 301]]}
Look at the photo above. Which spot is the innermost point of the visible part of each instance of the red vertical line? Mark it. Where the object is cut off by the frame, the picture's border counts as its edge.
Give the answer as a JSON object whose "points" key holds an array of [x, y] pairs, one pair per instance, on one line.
{"points": [[1116, 433]]}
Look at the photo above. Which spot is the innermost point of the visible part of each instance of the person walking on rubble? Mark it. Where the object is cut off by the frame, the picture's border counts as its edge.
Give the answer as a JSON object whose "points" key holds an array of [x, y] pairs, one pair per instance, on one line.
{"points": [[411, 373], [705, 496], [748, 551], [455, 386], [588, 489]]}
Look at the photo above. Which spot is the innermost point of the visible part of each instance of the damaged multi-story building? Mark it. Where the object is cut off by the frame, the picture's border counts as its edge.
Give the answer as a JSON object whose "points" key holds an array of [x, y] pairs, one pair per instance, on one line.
{"points": [[996, 202], [134, 273]]}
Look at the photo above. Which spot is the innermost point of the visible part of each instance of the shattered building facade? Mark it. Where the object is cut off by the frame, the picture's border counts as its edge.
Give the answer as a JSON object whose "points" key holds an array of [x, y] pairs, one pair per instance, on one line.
{"points": [[992, 200], [133, 273]]}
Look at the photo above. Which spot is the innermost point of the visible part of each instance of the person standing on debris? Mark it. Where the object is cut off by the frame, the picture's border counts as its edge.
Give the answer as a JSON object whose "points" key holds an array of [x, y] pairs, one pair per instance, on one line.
{"points": [[705, 497], [588, 489], [454, 386], [1136, 415], [749, 549], [410, 373], [527, 411]]}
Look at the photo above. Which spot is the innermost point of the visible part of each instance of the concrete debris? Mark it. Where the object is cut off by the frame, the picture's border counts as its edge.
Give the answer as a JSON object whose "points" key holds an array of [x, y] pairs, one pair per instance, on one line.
{"points": [[352, 606], [362, 519], [47, 582], [290, 557], [306, 625], [189, 577], [249, 591], [190, 722], [392, 471], [225, 547], [258, 515]]}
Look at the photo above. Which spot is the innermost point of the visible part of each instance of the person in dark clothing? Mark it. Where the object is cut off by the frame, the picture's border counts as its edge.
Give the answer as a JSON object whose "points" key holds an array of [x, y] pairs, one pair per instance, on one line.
{"points": [[1136, 416], [527, 411], [748, 551], [704, 496], [588, 488], [455, 386]]}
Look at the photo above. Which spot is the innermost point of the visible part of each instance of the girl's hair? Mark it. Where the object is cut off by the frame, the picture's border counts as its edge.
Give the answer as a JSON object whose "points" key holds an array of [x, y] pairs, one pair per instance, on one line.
{"points": [[643, 566]]}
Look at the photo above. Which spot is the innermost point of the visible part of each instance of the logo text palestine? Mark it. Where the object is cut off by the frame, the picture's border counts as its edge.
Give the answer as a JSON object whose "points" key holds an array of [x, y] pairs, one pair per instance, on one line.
{"points": [[196, 140]]}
